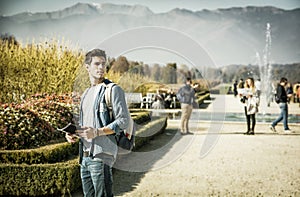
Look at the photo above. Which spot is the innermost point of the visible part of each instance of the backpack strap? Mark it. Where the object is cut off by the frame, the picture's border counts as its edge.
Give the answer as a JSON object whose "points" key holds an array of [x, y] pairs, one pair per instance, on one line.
{"points": [[108, 92]]}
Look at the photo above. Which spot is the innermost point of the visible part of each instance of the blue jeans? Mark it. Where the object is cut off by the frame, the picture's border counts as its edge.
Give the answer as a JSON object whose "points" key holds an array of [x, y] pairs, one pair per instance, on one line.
{"points": [[96, 177], [283, 116]]}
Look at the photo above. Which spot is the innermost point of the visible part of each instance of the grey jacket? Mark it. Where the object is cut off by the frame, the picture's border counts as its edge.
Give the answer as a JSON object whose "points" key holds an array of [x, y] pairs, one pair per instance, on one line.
{"points": [[107, 144], [186, 94]]}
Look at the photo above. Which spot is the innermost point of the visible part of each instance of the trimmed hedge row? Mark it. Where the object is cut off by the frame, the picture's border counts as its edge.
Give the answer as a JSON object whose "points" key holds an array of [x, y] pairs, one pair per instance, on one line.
{"points": [[47, 154], [55, 152], [141, 117], [56, 179], [201, 98], [148, 131]]}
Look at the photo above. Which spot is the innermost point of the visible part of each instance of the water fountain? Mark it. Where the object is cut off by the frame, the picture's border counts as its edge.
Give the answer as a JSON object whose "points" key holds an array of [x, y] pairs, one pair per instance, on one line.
{"points": [[265, 69]]}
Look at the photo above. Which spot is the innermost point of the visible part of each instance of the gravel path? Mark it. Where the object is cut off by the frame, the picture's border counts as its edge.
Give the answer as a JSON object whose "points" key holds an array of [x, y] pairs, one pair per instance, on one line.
{"points": [[266, 164], [262, 165], [233, 164]]}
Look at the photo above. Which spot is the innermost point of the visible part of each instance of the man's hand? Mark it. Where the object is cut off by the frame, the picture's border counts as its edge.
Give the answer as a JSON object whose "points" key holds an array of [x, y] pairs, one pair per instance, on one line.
{"points": [[71, 138], [87, 133], [90, 133]]}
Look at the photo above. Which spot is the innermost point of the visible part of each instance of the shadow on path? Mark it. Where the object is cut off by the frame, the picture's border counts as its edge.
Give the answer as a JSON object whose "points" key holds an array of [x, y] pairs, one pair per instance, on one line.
{"points": [[130, 169], [144, 160]]}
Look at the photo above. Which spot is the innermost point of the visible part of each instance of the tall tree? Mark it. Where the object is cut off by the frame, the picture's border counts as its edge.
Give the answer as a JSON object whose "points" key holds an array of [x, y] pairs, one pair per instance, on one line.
{"points": [[121, 65], [169, 73], [156, 72], [147, 71]]}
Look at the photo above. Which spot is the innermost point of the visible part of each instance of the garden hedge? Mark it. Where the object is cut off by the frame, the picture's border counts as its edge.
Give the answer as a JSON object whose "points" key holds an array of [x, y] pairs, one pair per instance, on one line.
{"points": [[46, 154], [58, 179], [203, 97], [148, 131], [54, 179]]}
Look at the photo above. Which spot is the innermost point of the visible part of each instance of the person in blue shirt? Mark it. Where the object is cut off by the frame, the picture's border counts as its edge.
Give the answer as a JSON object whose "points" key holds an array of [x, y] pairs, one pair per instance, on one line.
{"points": [[186, 97]]}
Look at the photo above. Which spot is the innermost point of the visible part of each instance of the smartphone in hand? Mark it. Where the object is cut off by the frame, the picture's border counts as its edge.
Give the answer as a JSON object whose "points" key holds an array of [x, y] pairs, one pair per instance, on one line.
{"points": [[70, 129]]}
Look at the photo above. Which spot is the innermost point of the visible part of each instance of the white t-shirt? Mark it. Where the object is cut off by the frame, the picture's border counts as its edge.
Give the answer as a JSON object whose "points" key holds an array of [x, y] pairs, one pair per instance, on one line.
{"points": [[88, 111]]}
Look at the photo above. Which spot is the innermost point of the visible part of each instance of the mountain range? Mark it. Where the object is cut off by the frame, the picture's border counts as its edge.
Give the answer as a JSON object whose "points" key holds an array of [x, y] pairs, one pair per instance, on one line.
{"points": [[230, 36]]}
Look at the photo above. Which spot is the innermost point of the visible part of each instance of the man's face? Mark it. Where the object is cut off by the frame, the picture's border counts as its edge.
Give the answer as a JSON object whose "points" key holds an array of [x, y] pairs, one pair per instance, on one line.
{"points": [[97, 67]]}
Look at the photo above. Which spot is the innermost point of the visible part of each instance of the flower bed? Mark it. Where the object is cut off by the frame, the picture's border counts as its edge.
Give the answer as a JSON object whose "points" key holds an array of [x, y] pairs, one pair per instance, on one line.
{"points": [[55, 179], [33, 122]]}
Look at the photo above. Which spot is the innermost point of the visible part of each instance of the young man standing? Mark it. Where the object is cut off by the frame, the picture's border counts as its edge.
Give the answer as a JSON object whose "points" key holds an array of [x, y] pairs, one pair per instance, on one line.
{"points": [[186, 97], [282, 96], [98, 148]]}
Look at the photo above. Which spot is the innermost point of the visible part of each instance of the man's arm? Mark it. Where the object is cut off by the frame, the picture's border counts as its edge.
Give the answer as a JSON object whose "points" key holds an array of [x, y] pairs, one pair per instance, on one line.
{"points": [[89, 133], [120, 110]]}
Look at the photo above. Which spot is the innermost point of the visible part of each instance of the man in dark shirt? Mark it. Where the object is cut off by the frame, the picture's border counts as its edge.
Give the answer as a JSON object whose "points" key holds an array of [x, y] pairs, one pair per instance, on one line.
{"points": [[282, 96]]}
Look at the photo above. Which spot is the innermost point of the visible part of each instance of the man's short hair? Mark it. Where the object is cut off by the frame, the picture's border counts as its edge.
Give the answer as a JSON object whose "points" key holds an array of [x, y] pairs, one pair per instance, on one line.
{"points": [[189, 79], [283, 79], [94, 53]]}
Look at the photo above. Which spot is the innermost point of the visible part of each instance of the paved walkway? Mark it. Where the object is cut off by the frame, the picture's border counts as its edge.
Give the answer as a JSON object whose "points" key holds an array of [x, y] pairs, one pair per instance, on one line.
{"points": [[218, 160]]}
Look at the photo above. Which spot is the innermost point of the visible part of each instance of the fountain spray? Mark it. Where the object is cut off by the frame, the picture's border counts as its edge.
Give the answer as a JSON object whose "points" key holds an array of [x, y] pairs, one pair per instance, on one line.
{"points": [[265, 68]]}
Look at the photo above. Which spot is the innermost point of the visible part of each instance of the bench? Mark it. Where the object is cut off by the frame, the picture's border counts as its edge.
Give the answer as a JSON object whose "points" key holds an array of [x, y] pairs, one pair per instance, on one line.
{"points": [[148, 100], [134, 98]]}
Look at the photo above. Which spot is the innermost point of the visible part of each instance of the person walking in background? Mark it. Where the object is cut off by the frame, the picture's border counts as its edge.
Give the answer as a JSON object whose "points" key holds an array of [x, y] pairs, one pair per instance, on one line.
{"points": [[235, 92], [241, 84], [282, 101], [251, 105], [98, 147], [298, 94], [186, 97]]}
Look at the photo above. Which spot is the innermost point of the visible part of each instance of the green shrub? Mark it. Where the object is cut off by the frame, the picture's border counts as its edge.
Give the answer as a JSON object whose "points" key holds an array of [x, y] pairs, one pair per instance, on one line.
{"points": [[55, 109], [59, 179], [47, 67], [202, 97], [148, 131], [33, 122], [47, 154], [21, 128], [141, 117]]}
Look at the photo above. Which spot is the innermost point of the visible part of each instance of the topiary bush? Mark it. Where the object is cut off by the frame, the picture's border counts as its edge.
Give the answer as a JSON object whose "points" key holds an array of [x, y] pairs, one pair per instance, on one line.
{"points": [[21, 128], [55, 109], [34, 122]]}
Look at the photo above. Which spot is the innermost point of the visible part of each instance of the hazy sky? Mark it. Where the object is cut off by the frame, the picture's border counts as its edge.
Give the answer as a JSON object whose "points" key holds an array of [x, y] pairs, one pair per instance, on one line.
{"points": [[10, 7]]}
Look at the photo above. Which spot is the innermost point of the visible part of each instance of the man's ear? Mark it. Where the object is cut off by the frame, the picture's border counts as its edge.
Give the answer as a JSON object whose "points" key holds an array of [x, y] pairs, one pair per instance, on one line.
{"points": [[86, 67]]}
